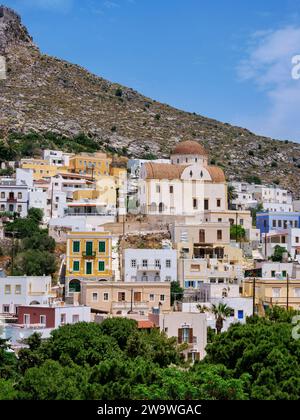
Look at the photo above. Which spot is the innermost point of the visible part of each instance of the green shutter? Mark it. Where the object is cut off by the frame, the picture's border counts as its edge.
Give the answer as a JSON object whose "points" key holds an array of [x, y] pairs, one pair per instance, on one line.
{"points": [[102, 247], [88, 267], [89, 248], [76, 246], [75, 265], [101, 266]]}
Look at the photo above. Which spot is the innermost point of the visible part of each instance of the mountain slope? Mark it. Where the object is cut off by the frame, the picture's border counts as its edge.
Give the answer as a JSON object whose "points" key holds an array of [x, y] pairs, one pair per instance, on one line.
{"points": [[45, 94]]}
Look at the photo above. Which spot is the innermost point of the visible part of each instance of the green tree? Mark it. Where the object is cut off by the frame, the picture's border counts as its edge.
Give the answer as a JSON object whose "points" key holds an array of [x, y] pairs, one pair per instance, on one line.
{"points": [[35, 263], [176, 292], [278, 253], [119, 328], [231, 195], [221, 312], [36, 215], [237, 232]]}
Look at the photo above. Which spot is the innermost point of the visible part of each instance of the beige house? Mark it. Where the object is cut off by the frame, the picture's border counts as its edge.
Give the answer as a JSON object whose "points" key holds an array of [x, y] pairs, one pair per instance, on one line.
{"points": [[274, 291], [189, 328], [120, 298]]}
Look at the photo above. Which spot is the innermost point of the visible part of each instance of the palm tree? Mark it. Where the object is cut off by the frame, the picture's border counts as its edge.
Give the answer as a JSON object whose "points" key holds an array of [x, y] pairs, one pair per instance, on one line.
{"points": [[231, 195], [221, 312]]}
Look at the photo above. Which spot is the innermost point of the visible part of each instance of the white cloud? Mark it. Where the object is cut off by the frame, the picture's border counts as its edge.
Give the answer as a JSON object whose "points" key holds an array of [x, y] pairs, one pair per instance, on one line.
{"points": [[268, 65]]}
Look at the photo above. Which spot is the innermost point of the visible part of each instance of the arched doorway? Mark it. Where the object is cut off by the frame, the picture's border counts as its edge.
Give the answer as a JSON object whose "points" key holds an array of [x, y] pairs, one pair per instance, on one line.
{"points": [[74, 285], [34, 302], [161, 207]]}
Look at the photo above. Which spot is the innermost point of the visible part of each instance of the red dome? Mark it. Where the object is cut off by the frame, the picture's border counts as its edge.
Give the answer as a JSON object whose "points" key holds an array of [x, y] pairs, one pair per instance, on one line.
{"points": [[189, 147]]}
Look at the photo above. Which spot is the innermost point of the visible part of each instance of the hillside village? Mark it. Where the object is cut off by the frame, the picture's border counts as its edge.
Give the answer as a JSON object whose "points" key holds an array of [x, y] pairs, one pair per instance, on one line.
{"points": [[166, 242]]}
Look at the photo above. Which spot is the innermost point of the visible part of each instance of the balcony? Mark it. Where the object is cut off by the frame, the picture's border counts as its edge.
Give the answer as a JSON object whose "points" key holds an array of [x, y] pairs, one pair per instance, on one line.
{"points": [[11, 200], [148, 267], [90, 254], [138, 306]]}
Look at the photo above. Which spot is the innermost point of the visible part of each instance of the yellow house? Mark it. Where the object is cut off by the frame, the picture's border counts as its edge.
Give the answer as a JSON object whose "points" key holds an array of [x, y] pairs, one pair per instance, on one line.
{"points": [[89, 257], [95, 164], [40, 168]]}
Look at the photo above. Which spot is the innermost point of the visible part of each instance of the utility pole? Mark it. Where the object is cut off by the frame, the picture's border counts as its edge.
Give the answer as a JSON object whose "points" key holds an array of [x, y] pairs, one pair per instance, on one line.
{"points": [[13, 233], [287, 291], [254, 292], [236, 227], [131, 303]]}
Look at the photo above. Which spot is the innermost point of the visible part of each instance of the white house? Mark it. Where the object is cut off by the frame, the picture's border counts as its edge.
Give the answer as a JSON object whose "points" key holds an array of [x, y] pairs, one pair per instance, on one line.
{"points": [[149, 265], [57, 157], [14, 198], [23, 290], [229, 294]]}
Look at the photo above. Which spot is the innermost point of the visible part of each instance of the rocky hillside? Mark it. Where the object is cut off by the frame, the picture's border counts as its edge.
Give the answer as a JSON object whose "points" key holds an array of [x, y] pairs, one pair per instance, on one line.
{"points": [[46, 94]]}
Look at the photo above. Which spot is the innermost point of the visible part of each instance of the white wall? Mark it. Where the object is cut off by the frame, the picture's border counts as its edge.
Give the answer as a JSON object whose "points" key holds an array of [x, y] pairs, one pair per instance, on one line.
{"points": [[130, 273], [33, 288], [83, 312]]}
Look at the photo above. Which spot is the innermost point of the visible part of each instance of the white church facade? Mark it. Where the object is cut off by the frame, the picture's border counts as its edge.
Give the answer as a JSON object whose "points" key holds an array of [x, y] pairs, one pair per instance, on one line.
{"points": [[187, 186]]}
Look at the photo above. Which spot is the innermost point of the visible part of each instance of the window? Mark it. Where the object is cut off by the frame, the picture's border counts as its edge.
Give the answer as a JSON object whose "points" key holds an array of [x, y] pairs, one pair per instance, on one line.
{"points": [[89, 248], [219, 235], [101, 266], [171, 189], [19, 195], [43, 319], [19, 208], [76, 265], [240, 314], [157, 263], [102, 246], [206, 204], [26, 319], [2, 194], [105, 296], [297, 292], [88, 267], [219, 220], [151, 297], [297, 239], [296, 223], [76, 246], [62, 318], [145, 263], [17, 289], [195, 203], [273, 273], [218, 202], [75, 318], [279, 223], [133, 263], [157, 188], [202, 236], [95, 297], [162, 298], [7, 289], [242, 222], [274, 223], [121, 296], [276, 292], [283, 273], [6, 309], [168, 278], [168, 263], [186, 335]]}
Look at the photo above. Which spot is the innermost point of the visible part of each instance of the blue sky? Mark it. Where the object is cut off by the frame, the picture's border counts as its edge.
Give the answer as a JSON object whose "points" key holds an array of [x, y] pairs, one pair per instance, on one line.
{"points": [[225, 59]]}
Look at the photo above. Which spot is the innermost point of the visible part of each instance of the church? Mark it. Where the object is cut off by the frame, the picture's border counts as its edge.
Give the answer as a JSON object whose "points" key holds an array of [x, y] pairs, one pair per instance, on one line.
{"points": [[188, 186]]}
